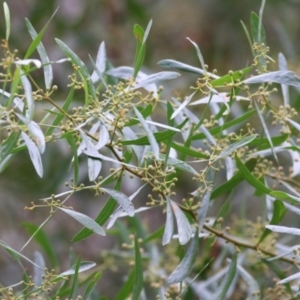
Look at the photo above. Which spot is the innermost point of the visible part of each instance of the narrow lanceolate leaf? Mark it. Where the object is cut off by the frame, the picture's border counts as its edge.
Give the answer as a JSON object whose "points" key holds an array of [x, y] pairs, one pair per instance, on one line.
{"points": [[140, 51], [28, 93], [230, 78], [103, 215], [82, 68], [37, 233], [203, 209], [16, 255], [284, 229], [184, 227], [7, 20], [293, 123], [257, 30], [266, 130], [84, 266], [182, 105], [84, 220], [236, 179], [278, 213], [36, 132], [34, 153], [169, 226], [221, 291], [36, 41], [174, 64], [250, 178], [281, 77], [282, 64], [237, 145], [48, 72], [122, 200], [179, 164], [186, 265], [156, 77], [199, 54], [38, 272], [91, 286], [59, 117], [290, 278], [151, 138], [253, 290], [138, 271], [120, 210], [100, 63], [94, 168]]}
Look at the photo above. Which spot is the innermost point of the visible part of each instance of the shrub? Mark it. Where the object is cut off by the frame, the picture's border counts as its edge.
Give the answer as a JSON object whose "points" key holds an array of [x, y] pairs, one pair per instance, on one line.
{"points": [[238, 144]]}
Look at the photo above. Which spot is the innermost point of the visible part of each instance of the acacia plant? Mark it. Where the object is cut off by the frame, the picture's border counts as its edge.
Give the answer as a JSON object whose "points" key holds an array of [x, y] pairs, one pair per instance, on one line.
{"points": [[232, 131]]}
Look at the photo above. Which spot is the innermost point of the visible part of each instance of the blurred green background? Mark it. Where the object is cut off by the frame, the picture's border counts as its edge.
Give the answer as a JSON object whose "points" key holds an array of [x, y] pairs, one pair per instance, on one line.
{"points": [[213, 24]]}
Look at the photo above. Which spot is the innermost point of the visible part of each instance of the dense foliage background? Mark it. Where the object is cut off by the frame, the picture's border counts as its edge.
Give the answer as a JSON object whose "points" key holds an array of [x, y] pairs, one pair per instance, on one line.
{"points": [[213, 24]]}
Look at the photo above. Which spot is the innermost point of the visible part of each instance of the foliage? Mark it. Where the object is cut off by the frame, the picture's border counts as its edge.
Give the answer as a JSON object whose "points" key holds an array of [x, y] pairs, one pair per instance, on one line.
{"points": [[158, 143]]}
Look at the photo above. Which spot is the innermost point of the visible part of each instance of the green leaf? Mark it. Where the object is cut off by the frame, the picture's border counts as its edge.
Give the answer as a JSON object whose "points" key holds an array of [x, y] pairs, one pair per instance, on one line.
{"points": [[231, 78], [91, 286], [188, 151], [250, 178], [7, 20], [36, 41], [219, 129], [280, 273], [285, 197], [48, 72], [60, 116], [127, 287], [236, 179], [141, 38], [103, 215], [75, 283], [221, 291], [186, 265], [6, 149], [248, 36], [159, 136], [151, 138], [83, 71], [263, 143], [145, 112], [155, 235], [257, 30], [84, 220], [42, 239], [278, 214], [138, 271]]}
